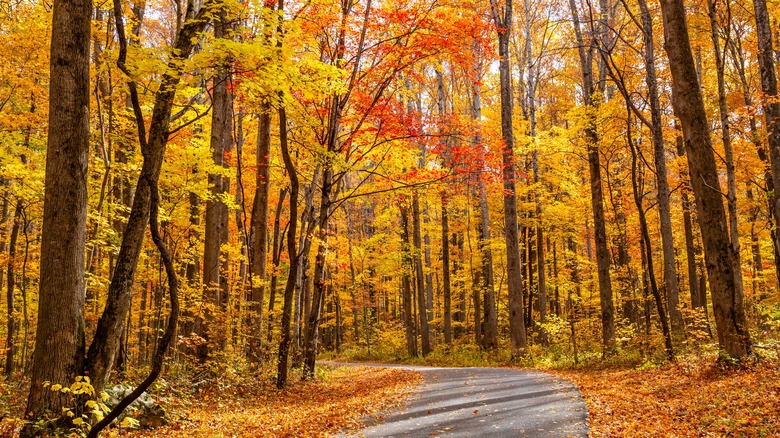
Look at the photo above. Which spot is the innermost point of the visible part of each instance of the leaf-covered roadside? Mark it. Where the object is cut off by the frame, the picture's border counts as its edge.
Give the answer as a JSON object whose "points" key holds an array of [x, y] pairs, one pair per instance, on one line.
{"points": [[693, 397], [334, 402]]}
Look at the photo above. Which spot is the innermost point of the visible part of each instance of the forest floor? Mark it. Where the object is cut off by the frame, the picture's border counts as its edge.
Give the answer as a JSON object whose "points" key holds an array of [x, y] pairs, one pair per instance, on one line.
{"points": [[338, 399], [242, 407], [692, 397]]}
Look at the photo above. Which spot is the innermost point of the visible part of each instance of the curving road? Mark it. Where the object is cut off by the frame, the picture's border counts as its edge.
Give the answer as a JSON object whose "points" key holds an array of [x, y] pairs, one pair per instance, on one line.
{"points": [[484, 402]]}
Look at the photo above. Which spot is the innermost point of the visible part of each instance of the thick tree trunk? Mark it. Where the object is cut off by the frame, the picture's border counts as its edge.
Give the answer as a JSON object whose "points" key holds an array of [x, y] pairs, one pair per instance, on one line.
{"points": [[597, 197], [59, 343], [733, 335], [215, 280], [517, 334]]}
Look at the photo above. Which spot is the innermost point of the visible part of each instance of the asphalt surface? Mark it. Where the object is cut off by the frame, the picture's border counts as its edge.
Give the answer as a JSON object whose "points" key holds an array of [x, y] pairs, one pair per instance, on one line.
{"points": [[484, 402]]}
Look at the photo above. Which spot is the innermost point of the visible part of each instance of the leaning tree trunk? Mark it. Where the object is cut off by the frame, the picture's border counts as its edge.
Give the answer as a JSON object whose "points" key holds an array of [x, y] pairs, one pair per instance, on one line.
{"points": [[59, 342], [100, 357], [733, 335]]}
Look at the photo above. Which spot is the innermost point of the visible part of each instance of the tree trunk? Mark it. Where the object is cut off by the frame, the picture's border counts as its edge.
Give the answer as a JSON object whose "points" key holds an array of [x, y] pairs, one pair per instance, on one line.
{"points": [[647, 243], [531, 93], [771, 104], [260, 227], [289, 289], [597, 197], [105, 344], [411, 336], [425, 340], [445, 261], [59, 344], [313, 318], [738, 57], [215, 281], [12, 322], [517, 335], [276, 248], [721, 261], [662, 184], [731, 193], [690, 247], [355, 316]]}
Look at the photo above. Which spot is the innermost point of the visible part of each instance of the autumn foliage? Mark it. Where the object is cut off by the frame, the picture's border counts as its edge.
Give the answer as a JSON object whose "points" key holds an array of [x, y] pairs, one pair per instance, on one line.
{"points": [[537, 183]]}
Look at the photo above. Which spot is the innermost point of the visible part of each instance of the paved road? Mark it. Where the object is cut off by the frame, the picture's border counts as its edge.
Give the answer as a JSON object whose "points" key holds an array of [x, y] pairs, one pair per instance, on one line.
{"points": [[484, 402]]}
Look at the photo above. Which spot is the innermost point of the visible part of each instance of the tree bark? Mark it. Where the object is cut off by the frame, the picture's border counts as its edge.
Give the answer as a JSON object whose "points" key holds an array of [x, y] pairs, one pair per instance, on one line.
{"points": [[738, 58], [721, 261], [215, 282], [531, 98], [276, 249], [59, 342]]}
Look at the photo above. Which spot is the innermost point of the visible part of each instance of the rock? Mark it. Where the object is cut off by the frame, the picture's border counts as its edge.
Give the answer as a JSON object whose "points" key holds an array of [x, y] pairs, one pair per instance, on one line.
{"points": [[145, 409]]}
